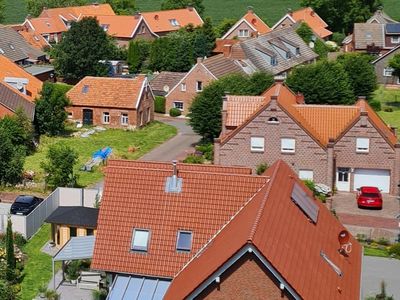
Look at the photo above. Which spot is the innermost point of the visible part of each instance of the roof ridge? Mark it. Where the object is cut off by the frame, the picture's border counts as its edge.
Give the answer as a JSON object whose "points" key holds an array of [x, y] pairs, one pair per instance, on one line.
{"points": [[202, 249], [324, 106]]}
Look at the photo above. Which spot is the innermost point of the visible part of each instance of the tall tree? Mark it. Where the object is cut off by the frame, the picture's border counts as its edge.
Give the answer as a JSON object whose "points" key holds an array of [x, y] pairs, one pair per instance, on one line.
{"points": [[205, 112], [174, 4], [138, 53], [81, 50], [10, 256], [35, 7], [204, 39], [122, 7], [322, 83], [59, 166], [361, 73], [342, 14], [224, 26], [50, 114]]}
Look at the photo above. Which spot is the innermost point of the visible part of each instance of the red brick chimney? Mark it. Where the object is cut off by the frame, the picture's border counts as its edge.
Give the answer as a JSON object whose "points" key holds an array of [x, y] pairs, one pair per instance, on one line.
{"points": [[300, 98], [226, 50]]}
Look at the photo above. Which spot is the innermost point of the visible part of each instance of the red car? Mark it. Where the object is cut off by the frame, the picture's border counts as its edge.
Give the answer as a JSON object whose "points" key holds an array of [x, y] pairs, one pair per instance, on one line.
{"points": [[369, 196]]}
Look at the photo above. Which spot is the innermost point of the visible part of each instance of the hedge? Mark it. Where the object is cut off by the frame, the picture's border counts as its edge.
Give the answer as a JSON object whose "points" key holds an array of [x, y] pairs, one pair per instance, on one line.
{"points": [[159, 104]]}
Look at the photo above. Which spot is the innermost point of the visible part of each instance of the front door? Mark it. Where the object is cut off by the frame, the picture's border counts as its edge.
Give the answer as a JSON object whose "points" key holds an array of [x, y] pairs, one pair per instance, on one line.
{"points": [[87, 117], [343, 179]]}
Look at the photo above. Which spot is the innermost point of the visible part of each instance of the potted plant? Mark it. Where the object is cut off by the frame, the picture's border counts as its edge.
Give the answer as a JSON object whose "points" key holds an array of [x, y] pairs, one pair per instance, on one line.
{"points": [[73, 271]]}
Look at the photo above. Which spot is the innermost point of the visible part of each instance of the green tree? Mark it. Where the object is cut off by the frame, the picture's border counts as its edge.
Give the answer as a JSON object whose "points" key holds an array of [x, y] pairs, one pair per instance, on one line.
{"points": [[138, 52], [2, 8], [204, 39], [10, 256], [305, 32], [12, 159], [205, 112], [122, 7], [35, 7], [394, 63], [19, 129], [6, 291], [224, 26], [50, 114], [82, 48], [59, 166], [360, 72], [174, 4], [341, 15], [322, 83]]}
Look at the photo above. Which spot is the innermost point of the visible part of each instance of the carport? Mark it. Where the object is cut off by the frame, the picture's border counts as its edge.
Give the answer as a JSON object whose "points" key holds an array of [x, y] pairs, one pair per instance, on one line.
{"points": [[79, 247]]}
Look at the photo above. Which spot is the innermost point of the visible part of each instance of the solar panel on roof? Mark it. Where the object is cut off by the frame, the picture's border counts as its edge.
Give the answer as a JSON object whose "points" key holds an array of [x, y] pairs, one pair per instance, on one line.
{"points": [[305, 202], [393, 28]]}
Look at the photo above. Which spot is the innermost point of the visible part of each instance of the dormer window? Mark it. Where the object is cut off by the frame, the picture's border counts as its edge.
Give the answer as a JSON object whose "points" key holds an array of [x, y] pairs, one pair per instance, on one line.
{"points": [[274, 61], [174, 22], [273, 120], [184, 241], [297, 51], [140, 240], [288, 55]]}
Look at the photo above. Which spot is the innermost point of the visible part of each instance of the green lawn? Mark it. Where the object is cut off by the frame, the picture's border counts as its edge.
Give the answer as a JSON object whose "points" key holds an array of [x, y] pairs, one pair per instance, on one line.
{"points": [[389, 98], [369, 251], [269, 10], [119, 140], [38, 268]]}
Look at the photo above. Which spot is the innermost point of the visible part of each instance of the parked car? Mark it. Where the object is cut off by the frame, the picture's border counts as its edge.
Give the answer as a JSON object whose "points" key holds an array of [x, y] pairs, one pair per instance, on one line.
{"points": [[369, 196], [24, 204]]}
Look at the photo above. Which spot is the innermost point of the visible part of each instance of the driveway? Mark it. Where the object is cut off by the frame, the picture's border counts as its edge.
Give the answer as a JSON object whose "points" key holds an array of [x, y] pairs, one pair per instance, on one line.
{"points": [[377, 269]]}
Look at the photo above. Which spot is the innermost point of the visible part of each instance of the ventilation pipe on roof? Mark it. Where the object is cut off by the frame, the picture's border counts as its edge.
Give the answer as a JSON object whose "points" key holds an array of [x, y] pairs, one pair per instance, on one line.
{"points": [[173, 183], [137, 14], [217, 279]]}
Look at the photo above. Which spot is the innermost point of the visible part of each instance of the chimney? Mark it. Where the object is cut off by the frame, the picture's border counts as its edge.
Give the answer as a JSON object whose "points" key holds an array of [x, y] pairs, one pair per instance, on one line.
{"points": [[217, 147], [290, 11], [173, 183], [226, 50], [273, 103], [224, 113], [363, 111], [300, 98], [250, 9], [393, 130], [137, 14], [96, 3], [29, 16], [200, 60], [190, 7]]}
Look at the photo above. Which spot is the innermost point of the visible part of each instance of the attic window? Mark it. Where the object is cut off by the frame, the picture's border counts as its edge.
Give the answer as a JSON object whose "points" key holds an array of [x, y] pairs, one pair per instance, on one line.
{"points": [[85, 89], [304, 202], [184, 241], [174, 22], [140, 240], [273, 120]]}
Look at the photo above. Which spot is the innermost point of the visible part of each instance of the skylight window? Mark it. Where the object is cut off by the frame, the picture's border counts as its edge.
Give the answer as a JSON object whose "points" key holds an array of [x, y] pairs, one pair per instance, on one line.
{"points": [[85, 89], [174, 22], [184, 241], [140, 240]]}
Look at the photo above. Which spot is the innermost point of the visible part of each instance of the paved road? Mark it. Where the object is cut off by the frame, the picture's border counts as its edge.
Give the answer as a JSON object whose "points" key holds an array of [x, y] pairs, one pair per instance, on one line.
{"points": [[177, 147], [376, 269]]}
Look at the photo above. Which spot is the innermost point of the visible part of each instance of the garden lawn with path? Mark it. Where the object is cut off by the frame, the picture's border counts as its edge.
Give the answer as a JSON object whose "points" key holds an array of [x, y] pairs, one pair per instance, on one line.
{"points": [[390, 100], [124, 144]]}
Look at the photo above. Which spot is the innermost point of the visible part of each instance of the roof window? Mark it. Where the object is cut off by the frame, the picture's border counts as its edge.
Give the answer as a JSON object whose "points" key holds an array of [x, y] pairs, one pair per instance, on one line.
{"points": [[306, 204], [174, 22], [85, 89], [184, 241], [140, 240]]}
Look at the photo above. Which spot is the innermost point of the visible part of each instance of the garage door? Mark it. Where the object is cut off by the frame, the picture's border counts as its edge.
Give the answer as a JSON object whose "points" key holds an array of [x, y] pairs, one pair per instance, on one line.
{"points": [[372, 177]]}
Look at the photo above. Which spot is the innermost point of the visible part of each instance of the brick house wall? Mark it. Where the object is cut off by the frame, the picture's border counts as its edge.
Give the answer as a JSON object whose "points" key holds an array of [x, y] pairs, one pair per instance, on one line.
{"points": [[380, 156], [388, 41], [242, 26], [285, 23], [380, 67], [143, 32], [309, 155], [198, 73], [246, 279]]}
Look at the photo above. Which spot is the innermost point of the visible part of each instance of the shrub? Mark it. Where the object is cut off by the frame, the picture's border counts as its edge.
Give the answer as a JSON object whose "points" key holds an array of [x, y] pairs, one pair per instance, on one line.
{"points": [[384, 242], [51, 295], [388, 109], [19, 240], [207, 150], [261, 168], [395, 250], [159, 104], [73, 270], [174, 112], [193, 159], [376, 105], [338, 37]]}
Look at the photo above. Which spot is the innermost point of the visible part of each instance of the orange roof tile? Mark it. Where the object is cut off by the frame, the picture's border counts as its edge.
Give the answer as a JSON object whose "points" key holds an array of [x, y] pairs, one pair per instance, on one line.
{"points": [[72, 13], [118, 26], [322, 122], [160, 21], [108, 92], [256, 22], [313, 20], [10, 69], [47, 25], [220, 44], [284, 236], [134, 197], [36, 40]]}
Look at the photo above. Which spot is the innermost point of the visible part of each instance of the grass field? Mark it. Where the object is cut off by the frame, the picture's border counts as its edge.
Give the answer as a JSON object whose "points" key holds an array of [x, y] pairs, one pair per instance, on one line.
{"points": [[269, 10], [389, 98], [119, 140]]}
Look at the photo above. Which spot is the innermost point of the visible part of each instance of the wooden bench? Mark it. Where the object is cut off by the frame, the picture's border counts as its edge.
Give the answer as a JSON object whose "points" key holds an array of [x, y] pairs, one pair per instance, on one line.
{"points": [[89, 280]]}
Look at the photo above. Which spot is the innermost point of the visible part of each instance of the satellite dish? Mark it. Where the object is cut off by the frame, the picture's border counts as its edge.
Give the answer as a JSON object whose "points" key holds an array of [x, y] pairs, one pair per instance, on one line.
{"points": [[166, 88], [311, 45]]}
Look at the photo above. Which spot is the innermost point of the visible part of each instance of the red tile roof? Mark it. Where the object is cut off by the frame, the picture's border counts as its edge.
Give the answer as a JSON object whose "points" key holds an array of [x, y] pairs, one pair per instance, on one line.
{"points": [[285, 237], [118, 26], [322, 122], [313, 20], [108, 92], [36, 40], [221, 43], [160, 21], [134, 197], [256, 22]]}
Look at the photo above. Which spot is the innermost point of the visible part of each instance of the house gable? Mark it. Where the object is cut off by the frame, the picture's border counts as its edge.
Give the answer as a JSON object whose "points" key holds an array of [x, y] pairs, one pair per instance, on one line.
{"points": [[240, 25], [285, 21]]}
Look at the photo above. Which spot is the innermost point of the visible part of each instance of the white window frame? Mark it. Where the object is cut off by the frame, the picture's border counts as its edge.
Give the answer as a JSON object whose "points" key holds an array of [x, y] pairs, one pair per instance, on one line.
{"points": [[106, 117], [183, 87], [395, 39], [124, 119], [388, 72], [257, 144], [179, 102], [362, 145], [306, 171], [136, 235], [197, 86], [244, 33], [288, 145]]}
